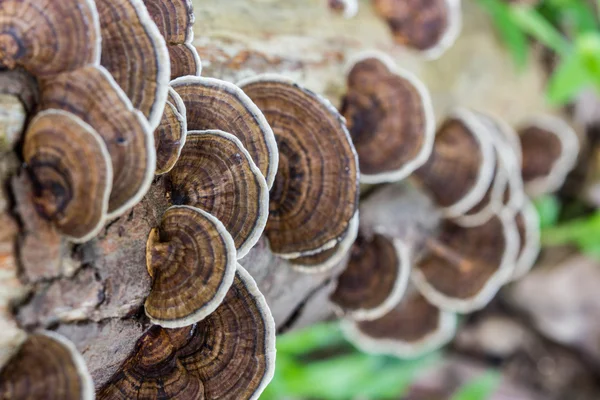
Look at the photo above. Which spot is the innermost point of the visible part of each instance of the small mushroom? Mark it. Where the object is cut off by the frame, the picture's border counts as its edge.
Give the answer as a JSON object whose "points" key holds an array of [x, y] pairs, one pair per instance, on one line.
{"points": [[71, 173], [169, 138], [191, 258], [390, 119], [550, 148], [330, 258], [528, 226], [412, 328], [216, 174], [136, 55], [463, 268], [374, 280], [50, 36], [216, 104], [92, 94], [230, 354], [461, 167], [429, 27], [175, 21], [47, 366], [315, 194], [348, 8]]}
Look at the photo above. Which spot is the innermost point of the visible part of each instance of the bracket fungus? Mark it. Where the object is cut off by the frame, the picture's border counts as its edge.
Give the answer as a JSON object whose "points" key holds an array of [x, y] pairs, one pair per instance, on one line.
{"points": [[228, 355], [549, 152], [47, 366], [463, 268], [317, 178], [528, 226], [390, 118], [71, 172], [169, 137], [374, 279], [92, 94], [216, 104], [135, 54], [412, 328], [429, 27], [175, 21], [216, 174], [461, 167], [191, 258]]}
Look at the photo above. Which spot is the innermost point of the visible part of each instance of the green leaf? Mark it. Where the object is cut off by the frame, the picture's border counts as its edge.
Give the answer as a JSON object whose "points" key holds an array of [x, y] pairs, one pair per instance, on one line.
{"points": [[548, 208], [569, 78], [481, 388], [512, 36], [308, 340], [533, 23]]}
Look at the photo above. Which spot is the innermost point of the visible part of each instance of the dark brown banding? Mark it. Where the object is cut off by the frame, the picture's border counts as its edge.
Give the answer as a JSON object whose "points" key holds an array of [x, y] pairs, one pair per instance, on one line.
{"points": [[47, 37], [135, 53], [184, 60], [216, 104], [48, 367], [71, 173], [423, 25], [216, 174], [169, 138], [390, 119], [412, 328], [91, 94], [315, 193], [374, 279], [463, 268], [191, 258]]}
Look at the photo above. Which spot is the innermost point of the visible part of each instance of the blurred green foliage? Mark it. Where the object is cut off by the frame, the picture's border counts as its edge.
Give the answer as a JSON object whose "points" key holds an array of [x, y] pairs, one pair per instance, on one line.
{"points": [[569, 28]]}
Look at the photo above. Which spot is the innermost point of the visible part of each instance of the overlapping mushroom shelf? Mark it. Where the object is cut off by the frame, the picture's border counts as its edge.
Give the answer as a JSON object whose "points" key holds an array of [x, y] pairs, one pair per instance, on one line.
{"points": [[403, 285]]}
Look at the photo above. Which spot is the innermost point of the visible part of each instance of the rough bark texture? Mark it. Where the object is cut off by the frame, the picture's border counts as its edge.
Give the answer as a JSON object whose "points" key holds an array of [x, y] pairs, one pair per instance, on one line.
{"points": [[94, 293]]}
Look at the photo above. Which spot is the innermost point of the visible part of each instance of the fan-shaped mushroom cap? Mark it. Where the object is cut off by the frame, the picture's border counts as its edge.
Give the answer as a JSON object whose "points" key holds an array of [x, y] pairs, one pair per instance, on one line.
{"points": [[430, 27], [231, 353], [461, 166], [47, 37], [47, 366], [192, 260], [216, 104], [374, 280], [328, 259], [464, 267], [71, 173], [175, 21], [169, 138], [348, 8], [315, 194], [550, 149], [528, 226], [390, 118], [215, 173], [412, 328], [135, 53], [91, 94], [177, 101]]}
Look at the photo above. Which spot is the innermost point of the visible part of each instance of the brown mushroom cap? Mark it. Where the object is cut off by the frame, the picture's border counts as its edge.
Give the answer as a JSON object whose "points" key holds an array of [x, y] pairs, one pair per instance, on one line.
{"points": [[231, 353], [412, 328], [216, 104], [169, 138], [528, 226], [136, 55], [464, 267], [47, 366], [215, 173], [550, 149], [71, 173], [374, 280], [47, 37], [328, 259], [390, 118], [315, 194], [430, 27], [175, 21], [91, 94], [191, 258], [177, 101], [461, 166]]}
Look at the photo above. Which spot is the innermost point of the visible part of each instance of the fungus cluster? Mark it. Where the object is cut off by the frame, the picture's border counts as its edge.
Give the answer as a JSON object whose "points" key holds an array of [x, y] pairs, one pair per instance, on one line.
{"points": [[400, 293]]}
